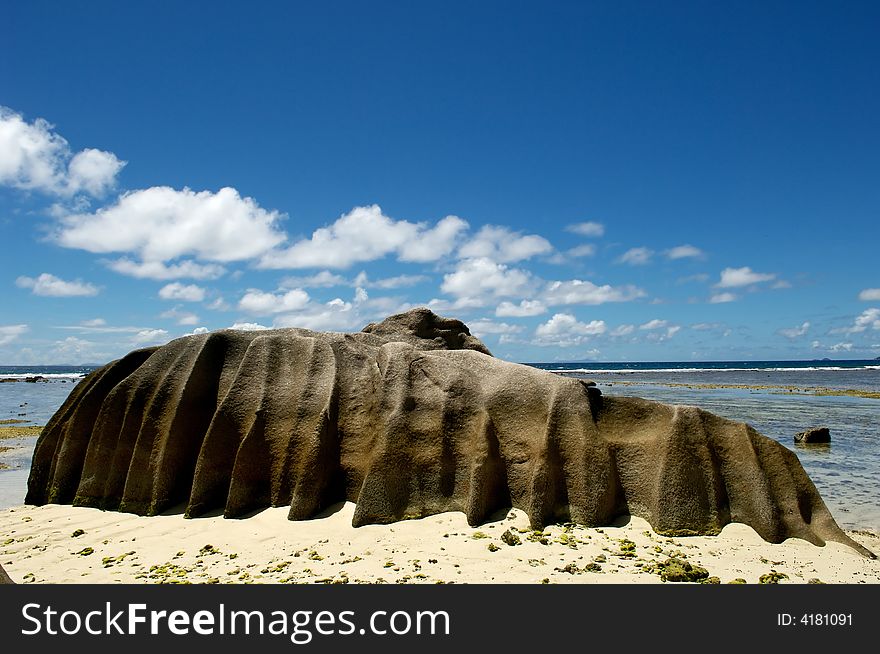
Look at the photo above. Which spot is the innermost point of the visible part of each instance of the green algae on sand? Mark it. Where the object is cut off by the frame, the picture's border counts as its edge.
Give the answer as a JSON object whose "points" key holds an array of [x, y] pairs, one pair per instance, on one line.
{"points": [[19, 432]]}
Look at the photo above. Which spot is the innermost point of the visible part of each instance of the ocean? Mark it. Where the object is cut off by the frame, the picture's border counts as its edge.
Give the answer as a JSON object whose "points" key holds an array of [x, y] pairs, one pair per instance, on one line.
{"points": [[778, 398]]}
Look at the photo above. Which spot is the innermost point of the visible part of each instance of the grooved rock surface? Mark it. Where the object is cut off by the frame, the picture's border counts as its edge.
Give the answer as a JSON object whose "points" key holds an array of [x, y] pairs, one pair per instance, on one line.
{"points": [[408, 418]]}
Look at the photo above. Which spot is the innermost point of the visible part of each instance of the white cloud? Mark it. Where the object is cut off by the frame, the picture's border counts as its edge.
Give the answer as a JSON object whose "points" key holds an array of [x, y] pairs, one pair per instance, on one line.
{"points": [[637, 256], [576, 291], [660, 330], [200, 330], [51, 286], [481, 328], [161, 224], [261, 303], [35, 157], [218, 304], [93, 171], [841, 347], [524, 309], [399, 281], [622, 330], [870, 295], [161, 271], [795, 332], [100, 326], [335, 315], [684, 252], [719, 298], [586, 250], [366, 234], [323, 279], [780, 284], [737, 277], [183, 292], [502, 245], [75, 350], [564, 330], [182, 317], [474, 278], [589, 229], [869, 319], [150, 337], [249, 327], [9, 333], [435, 243]]}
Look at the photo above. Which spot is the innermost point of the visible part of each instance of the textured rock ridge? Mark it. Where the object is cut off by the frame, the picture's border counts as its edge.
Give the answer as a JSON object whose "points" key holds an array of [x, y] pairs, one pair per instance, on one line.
{"points": [[408, 418]]}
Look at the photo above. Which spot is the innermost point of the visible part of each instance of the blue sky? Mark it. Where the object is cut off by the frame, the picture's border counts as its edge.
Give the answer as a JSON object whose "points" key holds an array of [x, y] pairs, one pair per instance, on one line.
{"points": [[576, 181]]}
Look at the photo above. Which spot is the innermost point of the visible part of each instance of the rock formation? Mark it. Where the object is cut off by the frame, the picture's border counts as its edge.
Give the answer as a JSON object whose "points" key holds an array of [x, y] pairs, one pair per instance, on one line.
{"points": [[814, 435], [408, 418], [4, 578]]}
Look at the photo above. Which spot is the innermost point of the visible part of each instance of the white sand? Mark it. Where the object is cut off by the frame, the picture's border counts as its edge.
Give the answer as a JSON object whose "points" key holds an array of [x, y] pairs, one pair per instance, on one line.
{"points": [[36, 545]]}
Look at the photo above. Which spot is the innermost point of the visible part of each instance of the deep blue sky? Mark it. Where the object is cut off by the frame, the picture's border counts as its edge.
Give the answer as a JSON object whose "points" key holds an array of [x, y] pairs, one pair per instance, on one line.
{"points": [[748, 131]]}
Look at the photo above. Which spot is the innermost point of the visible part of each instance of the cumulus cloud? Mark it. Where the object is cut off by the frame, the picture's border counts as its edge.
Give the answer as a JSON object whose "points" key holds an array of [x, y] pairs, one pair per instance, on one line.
{"points": [[161, 224], [564, 330], [484, 327], [660, 330], [502, 245], [586, 250], [9, 333], [589, 229], [684, 252], [524, 309], [51, 286], [200, 330], [335, 315], [737, 277], [181, 317], [720, 298], [474, 278], [398, 281], [35, 157], [162, 271], [870, 295], [622, 330], [183, 292], [869, 319], [576, 291], [323, 279], [636, 256], [249, 327], [261, 303], [366, 234], [150, 337], [795, 332]]}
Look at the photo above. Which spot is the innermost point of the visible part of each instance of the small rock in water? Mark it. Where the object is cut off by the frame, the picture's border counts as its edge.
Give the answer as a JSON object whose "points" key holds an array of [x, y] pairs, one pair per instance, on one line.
{"points": [[814, 435]]}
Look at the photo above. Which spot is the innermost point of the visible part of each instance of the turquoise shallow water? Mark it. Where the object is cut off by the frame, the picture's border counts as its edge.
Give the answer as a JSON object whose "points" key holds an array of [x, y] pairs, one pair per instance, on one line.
{"points": [[847, 473]]}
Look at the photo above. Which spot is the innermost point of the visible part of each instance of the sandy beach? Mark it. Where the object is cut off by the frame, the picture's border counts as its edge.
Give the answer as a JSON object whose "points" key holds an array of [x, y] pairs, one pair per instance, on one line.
{"points": [[63, 544]]}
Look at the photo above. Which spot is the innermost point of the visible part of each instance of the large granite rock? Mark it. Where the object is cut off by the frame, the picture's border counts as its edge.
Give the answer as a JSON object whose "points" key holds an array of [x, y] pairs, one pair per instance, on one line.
{"points": [[408, 418]]}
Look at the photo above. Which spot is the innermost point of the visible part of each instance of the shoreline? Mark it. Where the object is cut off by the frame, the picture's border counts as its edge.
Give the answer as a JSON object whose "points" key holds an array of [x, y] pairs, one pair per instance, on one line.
{"points": [[815, 391], [44, 545]]}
